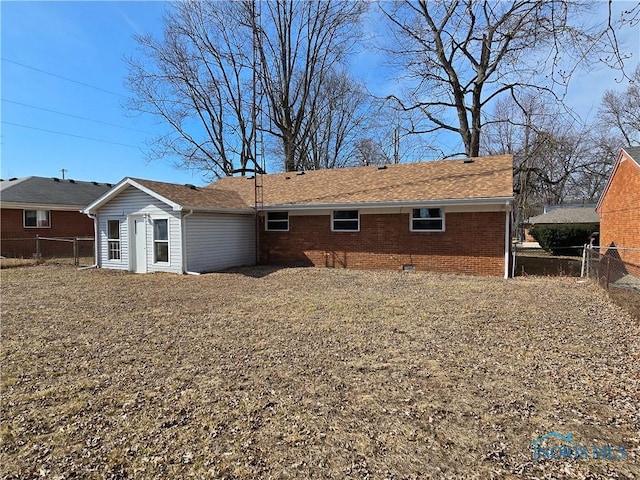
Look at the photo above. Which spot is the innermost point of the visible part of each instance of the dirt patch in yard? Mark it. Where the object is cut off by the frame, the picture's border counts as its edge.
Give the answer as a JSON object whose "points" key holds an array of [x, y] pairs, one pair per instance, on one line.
{"points": [[310, 373]]}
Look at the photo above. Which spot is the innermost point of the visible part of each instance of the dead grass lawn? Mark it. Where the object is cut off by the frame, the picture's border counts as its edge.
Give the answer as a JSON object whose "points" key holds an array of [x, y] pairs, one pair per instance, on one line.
{"points": [[310, 373]]}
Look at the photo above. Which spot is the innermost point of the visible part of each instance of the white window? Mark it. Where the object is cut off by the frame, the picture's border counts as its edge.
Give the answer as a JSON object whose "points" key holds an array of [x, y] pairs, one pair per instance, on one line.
{"points": [[427, 220], [161, 240], [278, 221], [345, 221], [37, 219], [113, 239]]}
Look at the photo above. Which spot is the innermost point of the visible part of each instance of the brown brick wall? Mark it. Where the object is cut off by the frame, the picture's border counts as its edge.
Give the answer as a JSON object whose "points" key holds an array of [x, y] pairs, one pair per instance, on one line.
{"points": [[17, 241], [473, 243], [620, 212]]}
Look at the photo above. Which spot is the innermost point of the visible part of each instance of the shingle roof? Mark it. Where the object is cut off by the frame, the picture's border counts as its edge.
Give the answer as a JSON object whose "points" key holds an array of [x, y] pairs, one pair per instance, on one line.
{"points": [[567, 215], [197, 197], [49, 191], [485, 177]]}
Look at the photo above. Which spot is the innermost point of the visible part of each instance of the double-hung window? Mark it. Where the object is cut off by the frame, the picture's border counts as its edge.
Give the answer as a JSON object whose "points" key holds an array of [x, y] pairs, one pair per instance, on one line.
{"points": [[113, 239], [427, 220], [345, 221], [37, 219], [161, 240], [278, 221]]}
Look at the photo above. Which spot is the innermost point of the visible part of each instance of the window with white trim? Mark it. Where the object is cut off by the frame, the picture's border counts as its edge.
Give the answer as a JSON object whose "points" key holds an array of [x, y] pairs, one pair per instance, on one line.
{"points": [[37, 219], [278, 221], [113, 239], [427, 220], [345, 221], [161, 240]]}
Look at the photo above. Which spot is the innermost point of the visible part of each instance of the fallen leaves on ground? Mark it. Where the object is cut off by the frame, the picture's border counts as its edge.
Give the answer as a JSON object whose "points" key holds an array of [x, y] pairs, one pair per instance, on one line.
{"points": [[311, 373]]}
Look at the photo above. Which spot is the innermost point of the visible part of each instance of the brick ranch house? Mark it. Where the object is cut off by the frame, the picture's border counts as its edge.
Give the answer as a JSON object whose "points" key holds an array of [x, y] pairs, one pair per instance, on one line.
{"points": [[444, 216], [45, 207], [619, 208]]}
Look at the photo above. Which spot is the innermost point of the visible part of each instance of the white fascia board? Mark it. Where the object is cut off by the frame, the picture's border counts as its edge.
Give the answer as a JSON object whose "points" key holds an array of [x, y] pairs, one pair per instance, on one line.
{"points": [[404, 203], [100, 201], [119, 188], [41, 206], [237, 211]]}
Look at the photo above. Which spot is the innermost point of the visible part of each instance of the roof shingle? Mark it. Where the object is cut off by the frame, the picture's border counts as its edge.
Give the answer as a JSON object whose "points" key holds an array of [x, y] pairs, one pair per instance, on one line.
{"points": [[485, 177], [50, 191], [189, 196], [578, 214]]}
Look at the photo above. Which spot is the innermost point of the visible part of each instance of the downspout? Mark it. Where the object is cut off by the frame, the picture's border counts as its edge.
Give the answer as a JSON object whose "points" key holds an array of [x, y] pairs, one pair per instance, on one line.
{"points": [[95, 242], [184, 245], [507, 240], [514, 248]]}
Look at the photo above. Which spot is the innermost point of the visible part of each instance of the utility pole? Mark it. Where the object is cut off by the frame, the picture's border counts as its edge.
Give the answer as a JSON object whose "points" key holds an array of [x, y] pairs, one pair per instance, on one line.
{"points": [[64, 170]]}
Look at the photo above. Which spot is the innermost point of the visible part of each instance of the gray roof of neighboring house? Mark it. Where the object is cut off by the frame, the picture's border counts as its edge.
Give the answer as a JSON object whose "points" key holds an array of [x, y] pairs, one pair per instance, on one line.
{"points": [[634, 152], [43, 191], [578, 214]]}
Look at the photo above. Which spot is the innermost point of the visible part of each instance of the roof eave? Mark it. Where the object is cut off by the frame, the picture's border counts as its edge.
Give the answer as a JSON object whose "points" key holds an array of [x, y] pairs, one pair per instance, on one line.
{"points": [[119, 188], [239, 211], [41, 206], [400, 203]]}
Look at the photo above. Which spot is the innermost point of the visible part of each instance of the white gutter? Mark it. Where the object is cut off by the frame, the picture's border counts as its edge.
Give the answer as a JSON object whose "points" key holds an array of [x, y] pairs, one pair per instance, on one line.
{"points": [[40, 206], [237, 211], [95, 242], [184, 244], [444, 202]]}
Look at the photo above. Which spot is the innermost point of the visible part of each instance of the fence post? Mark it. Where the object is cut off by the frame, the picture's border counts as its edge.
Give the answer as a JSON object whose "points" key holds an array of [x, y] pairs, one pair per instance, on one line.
{"points": [[608, 272], [584, 258], [76, 260], [38, 246]]}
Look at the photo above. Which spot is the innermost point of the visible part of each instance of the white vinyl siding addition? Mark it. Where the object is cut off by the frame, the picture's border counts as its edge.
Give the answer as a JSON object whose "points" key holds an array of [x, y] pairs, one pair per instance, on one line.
{"points": [[219, 241], [135, 203]]}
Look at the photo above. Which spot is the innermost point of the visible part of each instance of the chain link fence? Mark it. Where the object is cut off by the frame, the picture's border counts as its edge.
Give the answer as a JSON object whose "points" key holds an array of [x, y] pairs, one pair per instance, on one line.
{"points": [[606, 266], [79, 249]]}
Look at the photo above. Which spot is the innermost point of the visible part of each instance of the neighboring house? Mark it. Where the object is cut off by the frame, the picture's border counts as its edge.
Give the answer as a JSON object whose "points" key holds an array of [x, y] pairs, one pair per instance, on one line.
{"points": [[45, 207], [445, 216], [567, 214], [619, 207]]}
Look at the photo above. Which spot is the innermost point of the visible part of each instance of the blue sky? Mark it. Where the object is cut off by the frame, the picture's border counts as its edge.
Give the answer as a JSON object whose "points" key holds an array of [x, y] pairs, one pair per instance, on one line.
{"points": [[86, 42]]}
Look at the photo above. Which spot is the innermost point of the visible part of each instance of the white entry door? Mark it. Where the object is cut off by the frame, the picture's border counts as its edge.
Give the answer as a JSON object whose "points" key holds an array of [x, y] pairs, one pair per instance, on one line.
{"points": [[139, 245]]}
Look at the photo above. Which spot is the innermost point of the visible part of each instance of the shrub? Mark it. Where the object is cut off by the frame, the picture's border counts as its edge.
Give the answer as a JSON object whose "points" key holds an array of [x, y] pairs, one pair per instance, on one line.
{"points": [[563, 239]]}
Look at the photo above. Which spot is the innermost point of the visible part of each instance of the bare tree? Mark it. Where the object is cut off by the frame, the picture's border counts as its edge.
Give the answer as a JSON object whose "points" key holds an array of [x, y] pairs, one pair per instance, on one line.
{"points": [[462, 55], [301, 44], [556, 159], [341, 112], [370, 152], [197, 80], [620, 111], [224, 72]]}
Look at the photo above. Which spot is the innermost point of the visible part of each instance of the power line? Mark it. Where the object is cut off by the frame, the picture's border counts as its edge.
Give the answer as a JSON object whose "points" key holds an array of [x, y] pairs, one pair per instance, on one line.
{"points": [[74, 116], [69, 134], [64, 78]]}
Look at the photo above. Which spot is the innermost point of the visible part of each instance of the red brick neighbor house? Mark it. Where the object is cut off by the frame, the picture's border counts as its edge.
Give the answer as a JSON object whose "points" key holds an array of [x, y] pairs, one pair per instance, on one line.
{"points": [[444, 216], [45, 207], [619, 207]]}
